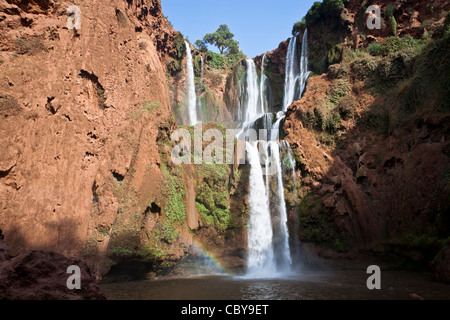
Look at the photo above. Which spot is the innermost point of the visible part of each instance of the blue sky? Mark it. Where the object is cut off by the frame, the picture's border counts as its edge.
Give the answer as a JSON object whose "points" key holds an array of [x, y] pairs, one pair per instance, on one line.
{"points": [[259, 26]]}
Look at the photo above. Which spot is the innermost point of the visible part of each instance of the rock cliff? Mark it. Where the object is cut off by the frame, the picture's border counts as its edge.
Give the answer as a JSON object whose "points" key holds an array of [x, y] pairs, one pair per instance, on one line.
{"points": [[370, 137], [85, 133]]}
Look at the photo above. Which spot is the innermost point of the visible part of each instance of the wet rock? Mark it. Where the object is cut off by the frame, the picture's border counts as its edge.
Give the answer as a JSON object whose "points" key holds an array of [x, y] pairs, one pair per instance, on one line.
{"points": [[4, 253], [42, 275], [441, 264]]}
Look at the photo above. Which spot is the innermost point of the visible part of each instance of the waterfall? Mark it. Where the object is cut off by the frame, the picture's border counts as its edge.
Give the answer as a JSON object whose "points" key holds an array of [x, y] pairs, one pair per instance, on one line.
{"points": [[202, 69], [252, 106], [260, 258], [269, 251], [296, 76], [200, 113], [192, 99], [282, 245], [262, 87], [304, 73], [290, 79]]}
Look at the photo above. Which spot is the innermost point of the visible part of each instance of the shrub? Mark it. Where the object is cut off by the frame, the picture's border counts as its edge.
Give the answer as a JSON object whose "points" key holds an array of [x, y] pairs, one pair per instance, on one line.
{"points": [[149, 106], [390, 15], [395, 44], [374, 49], [327, 8], [347, 107], [335, 54], [218, 61], [332, 122], [201, 46], [215, 60], [339, 90], [299, 26], [30, 45], [364, 68], [337, 71]]}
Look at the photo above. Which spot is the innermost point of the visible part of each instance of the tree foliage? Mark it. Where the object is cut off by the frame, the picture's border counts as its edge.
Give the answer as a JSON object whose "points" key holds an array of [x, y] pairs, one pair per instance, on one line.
{"points": [[327, 8], [299, 26], [222, 38], [201, 45]]}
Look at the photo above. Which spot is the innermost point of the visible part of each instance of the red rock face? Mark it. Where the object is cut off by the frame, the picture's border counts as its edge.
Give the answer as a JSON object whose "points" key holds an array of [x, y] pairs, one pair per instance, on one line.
{"points": [[71, 117], [42, 275], [383, 187]]}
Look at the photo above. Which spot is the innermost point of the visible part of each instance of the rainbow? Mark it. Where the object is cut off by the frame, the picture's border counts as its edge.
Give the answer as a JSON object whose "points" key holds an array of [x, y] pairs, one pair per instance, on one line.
{"points": [[209, 260]]}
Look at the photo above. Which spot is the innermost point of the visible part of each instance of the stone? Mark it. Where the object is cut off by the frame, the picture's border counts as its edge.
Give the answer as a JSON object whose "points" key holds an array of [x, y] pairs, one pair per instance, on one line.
{"points": [[42, 275]]}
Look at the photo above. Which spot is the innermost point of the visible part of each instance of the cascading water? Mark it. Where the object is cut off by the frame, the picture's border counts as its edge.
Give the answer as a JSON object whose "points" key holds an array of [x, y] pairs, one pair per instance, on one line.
{"points": [[304, 73], [291, 74], [296, 76], [192, 98], [199, 100], [269, 251], [262, 87], [261, 258], [252, 108], [282, 244]]}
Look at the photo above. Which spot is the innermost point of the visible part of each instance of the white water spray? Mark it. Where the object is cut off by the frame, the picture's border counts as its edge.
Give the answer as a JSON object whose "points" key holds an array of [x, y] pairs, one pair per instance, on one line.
{"points": [[291, 74], [262, 87], [192, 99], [260, 259], [252, 107], [284, 259], [304, 73], [296, 76]]}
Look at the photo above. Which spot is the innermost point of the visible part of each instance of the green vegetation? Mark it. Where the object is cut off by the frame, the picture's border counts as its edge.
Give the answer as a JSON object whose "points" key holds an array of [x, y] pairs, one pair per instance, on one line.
{"points": [[168, 21], [317, 227], [32, 45], [390, 15], [201, 45], [335, 54], [428, 87], [175, 209], [147, 107], [374, 49], [339, 90], [394, 44], [218, 61], [175, 64], [222, 38], [321, 10], [299, 27]]}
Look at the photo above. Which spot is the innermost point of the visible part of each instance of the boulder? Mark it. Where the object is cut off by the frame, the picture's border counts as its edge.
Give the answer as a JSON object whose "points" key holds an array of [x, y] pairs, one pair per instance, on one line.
{"points": [[4, 252], [441, 264], [42, 275]]}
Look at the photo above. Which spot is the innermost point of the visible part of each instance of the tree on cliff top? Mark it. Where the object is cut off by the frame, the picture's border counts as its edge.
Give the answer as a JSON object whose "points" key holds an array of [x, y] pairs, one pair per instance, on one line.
{"points": [[223, 40], [326, 8]]}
